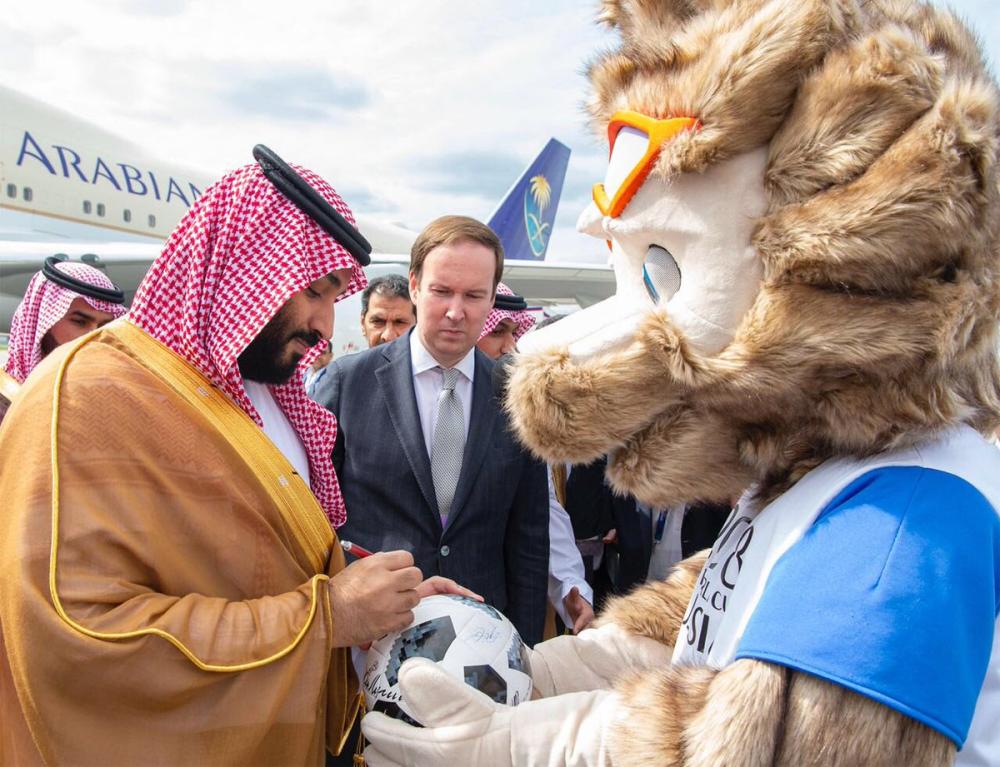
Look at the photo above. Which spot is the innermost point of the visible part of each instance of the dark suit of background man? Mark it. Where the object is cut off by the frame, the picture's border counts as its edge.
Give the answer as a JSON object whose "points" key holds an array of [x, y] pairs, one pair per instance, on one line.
{"points": [[390, 400]]}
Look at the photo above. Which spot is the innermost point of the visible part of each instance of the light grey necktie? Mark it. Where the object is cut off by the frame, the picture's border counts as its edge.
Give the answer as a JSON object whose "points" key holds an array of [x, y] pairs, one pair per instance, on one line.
{"points": [[449, 443]]}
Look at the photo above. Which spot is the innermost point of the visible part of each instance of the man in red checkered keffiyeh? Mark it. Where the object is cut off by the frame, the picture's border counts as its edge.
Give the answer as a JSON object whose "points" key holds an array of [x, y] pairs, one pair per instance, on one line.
{"points": [[237, 270], [51, 314], [169, 498], [504, 326]]}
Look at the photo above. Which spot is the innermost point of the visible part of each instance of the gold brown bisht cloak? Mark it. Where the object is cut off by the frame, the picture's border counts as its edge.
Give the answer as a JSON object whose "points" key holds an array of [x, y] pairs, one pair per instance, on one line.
{"points": [[163, 584]]}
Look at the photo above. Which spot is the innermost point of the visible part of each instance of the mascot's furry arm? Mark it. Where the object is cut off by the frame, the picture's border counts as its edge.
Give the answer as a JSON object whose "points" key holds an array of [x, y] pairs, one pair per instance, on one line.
{"points": [[808, 285], [750, 713]]}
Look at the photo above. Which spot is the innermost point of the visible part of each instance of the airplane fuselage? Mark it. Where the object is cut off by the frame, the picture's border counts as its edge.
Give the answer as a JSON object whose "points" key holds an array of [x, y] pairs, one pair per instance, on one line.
{"points": [[85, 181]]}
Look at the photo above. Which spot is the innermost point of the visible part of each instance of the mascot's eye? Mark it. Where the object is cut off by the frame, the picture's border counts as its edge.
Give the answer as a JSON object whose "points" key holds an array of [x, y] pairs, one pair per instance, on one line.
{"points": [[660, 273]]}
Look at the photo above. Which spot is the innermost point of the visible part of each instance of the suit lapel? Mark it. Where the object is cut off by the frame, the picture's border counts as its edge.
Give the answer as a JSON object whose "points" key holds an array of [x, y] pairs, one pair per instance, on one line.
{"points": [[483, 418], [396, 381]]}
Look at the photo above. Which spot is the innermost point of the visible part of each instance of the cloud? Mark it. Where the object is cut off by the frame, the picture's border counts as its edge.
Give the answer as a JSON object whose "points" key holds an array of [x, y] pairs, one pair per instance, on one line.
{"points": [[288, 92], [483, 173], [21, 44], [581, 177], [361, 199], [160, 8], [17, 51]]}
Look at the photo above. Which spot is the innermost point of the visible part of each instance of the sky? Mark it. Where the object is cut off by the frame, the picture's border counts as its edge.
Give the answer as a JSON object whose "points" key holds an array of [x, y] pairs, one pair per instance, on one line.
{"points": [[411, 109]]}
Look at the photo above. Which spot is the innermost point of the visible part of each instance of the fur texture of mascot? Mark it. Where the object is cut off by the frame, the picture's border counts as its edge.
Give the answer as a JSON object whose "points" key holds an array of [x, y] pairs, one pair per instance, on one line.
{"points": [[802, 204]]}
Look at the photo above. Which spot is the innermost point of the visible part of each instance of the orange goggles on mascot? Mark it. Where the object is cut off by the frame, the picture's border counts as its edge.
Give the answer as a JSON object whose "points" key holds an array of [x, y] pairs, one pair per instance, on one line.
{"points": [[634, 141]]}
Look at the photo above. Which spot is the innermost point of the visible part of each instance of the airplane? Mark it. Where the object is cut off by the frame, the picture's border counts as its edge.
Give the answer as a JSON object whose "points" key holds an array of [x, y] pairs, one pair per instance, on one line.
{"points": [[70, 187]]}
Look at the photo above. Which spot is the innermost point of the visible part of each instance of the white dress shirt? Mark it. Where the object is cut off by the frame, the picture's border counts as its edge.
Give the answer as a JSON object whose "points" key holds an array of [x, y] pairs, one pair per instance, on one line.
{"points": [[428, 380], [312, 379], [667, 551], [278, 428], [565, 562]]}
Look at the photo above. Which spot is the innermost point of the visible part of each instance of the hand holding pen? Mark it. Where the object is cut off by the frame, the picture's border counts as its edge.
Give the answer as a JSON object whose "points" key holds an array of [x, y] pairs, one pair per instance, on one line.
{"points": [[436, 584]]}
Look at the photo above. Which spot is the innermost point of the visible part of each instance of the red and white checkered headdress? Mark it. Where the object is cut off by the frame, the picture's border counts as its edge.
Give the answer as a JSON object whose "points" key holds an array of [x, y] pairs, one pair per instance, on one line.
{"points": [[240, 253], [43, 305], [523, 321]]}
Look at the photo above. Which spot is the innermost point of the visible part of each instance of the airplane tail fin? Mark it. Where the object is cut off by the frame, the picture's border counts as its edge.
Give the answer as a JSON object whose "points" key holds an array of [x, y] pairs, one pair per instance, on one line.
{"points": [[524, 218]]}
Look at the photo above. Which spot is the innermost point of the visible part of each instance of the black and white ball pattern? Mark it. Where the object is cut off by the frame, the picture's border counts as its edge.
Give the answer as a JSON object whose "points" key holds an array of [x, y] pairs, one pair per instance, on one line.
{"points": [[470, 640]]}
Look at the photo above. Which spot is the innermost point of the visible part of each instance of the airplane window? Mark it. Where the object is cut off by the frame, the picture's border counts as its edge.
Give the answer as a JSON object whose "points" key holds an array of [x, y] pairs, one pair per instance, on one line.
{"points": [[152, 220], [100, 209], [27, 194], [127, 215], [12, 190], [87, 206]]}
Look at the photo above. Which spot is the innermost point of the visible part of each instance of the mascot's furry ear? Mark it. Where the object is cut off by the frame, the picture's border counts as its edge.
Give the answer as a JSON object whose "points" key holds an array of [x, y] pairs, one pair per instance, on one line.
{"points": [[850, 110], [735, 66], [633, 18]]}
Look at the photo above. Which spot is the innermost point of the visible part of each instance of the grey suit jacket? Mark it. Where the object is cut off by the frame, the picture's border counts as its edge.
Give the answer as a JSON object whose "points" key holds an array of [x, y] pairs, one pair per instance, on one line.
{"points": [[497, 538]]}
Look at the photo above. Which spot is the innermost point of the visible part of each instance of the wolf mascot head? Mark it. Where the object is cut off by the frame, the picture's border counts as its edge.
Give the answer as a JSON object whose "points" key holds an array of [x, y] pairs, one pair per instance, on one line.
{"points": [[808, 271]]}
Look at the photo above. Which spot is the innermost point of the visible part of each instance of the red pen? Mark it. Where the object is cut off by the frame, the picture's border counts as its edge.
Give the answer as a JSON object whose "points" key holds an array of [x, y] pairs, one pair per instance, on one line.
{"points": [[352, 548]]}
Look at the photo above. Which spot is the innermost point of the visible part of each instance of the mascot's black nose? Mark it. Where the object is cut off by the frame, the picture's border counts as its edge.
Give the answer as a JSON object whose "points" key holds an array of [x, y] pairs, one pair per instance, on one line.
{"points": [[501, 375]]}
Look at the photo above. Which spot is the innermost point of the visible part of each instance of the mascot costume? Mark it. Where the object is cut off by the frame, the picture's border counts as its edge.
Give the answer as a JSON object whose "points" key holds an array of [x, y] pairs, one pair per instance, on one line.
{"points": [[802, 206]]}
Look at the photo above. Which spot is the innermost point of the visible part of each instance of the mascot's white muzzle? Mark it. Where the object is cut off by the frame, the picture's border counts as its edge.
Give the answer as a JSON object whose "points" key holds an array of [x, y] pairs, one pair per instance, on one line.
{"points": [[682, 244]]}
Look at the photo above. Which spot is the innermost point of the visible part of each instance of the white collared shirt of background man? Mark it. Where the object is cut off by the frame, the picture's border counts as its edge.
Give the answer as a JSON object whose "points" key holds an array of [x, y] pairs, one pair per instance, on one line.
{"points": [[565, 563], [428, 382], [668, 550]]}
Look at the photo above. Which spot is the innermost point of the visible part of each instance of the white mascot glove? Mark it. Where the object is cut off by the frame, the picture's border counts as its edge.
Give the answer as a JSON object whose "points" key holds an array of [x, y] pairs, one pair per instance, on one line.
{"points": [[464, 727], [593, 660]]}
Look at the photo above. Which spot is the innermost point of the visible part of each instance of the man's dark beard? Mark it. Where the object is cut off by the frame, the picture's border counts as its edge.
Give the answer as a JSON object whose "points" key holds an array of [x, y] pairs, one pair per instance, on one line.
{"points": [[263, 360], [48, 344]]}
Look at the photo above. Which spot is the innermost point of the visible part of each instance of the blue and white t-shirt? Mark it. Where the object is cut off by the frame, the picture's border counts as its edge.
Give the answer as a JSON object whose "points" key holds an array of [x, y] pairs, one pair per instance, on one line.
{"points": [[882, 576]]}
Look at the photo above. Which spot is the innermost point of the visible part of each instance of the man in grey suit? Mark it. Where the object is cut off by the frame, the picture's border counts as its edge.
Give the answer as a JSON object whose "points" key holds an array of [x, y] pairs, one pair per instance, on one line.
{"points": [[424, 454]]}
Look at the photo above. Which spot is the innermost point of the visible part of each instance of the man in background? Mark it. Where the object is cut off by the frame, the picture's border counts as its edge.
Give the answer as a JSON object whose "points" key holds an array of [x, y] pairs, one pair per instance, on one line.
{"points": [[318, 368], [424, 455], [386, 309], [506, 323], [386, 313], [64, 301]]}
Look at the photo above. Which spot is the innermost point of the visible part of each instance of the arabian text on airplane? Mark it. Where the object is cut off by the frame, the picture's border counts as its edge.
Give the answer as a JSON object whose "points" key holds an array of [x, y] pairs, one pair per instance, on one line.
{"points": [[64, 160]]}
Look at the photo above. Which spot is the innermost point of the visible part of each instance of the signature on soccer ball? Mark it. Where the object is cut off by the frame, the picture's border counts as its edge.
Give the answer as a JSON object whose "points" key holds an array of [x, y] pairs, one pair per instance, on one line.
{"points": [[373, 683], [485, 635]]}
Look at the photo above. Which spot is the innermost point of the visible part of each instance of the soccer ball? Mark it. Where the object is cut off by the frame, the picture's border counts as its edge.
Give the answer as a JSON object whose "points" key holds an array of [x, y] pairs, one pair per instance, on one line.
{"points": [[470, 640]]}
